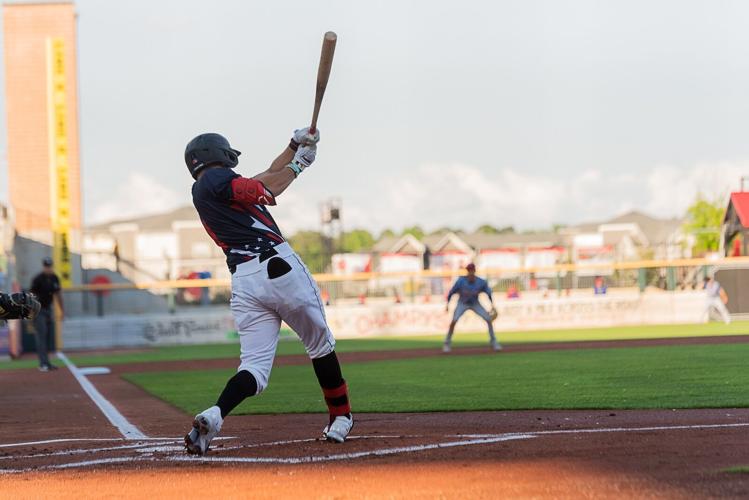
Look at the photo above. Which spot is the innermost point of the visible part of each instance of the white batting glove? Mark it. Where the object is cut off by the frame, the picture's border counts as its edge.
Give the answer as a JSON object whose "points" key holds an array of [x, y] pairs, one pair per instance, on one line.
{"points": [[304, 157], [303, 137]]}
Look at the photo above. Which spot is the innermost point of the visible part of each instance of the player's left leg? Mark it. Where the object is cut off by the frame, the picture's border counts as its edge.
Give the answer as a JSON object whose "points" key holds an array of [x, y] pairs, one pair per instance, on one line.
{"points": [[460, 309], [258, 326], [305, 314], [484, 314], [722, 310]]}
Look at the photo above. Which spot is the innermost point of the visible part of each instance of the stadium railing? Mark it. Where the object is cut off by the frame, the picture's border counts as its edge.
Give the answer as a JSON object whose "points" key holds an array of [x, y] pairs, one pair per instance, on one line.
{"points": [[416, 286]]}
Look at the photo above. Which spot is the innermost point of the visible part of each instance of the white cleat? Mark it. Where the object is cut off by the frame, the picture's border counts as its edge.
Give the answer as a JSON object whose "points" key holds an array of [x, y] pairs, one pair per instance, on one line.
{"points": [[446, 348], [205, 427], [338, 429], [496, 346]]}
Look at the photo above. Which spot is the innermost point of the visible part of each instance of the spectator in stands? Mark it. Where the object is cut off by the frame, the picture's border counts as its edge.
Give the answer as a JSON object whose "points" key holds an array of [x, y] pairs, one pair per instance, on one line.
{"points": [[512, 291], [599, 286], [46, 287], [716, 299]]}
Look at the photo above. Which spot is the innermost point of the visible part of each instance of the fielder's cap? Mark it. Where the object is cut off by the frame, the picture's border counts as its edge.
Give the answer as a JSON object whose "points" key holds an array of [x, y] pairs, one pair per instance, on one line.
{"points": [[47, 262], [471, 267]]}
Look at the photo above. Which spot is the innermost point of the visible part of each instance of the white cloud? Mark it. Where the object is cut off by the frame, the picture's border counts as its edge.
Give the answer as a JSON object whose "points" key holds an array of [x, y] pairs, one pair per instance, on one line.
{"points": [[296, 211], [671, 190], [139, 195], [465, 196]]}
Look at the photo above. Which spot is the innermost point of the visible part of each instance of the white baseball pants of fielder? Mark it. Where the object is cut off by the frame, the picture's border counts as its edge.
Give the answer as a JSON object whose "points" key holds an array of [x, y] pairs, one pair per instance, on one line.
{"points": [[718, 305], [259, 304], [460, 310]]}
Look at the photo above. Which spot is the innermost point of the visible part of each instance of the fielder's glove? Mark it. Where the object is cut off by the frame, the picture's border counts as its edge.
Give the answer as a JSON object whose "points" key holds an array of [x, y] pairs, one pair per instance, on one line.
{"points": [[27, 303], [493, 313], [302, 137], [303, 158]]}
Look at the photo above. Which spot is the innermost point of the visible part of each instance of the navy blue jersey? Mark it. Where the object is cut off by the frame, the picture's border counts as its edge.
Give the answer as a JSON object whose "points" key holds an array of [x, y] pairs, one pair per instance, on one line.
{"points": [[232, 210]]}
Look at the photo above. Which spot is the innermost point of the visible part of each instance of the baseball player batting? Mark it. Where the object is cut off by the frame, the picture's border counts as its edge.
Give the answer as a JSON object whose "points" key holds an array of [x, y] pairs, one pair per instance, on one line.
{"points": [[269, 282], [468, 288]]}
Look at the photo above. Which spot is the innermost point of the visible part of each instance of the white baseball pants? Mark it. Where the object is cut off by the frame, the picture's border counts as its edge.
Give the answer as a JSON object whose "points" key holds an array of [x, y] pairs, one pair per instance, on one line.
{"points": [[259, 304], [460, 310], [718, 305]]}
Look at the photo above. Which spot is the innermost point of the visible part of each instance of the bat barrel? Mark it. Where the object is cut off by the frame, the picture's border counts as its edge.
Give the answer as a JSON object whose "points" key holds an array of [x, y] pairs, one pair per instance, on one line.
{"points": [[323, 73]]}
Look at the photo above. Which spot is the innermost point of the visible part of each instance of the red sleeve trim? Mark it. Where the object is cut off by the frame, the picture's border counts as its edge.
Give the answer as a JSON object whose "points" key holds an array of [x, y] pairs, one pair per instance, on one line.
{"points": [[251, 192]]}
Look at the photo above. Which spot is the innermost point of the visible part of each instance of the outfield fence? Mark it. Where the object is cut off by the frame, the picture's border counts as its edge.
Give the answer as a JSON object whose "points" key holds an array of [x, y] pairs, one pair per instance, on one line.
{"points": [[176, 296], [124, 314]]}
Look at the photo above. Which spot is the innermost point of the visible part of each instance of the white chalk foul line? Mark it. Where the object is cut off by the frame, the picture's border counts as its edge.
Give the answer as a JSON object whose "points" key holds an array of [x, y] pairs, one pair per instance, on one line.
{"points": [[79, 451], [85, 463], [473, 439], [312, 440], [349, 456], [93, 440], [616, 429], [128, 430]]}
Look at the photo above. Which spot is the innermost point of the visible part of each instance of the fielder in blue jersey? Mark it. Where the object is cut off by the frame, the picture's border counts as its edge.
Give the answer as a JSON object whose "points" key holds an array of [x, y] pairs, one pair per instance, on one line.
{"points": [[468, 288]]}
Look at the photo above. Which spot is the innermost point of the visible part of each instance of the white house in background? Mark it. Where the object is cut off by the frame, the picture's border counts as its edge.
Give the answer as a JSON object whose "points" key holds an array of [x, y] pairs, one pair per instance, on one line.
{"points": [[350, 263], [156, 247], [630, 236], [403, 255], [450, 253]]}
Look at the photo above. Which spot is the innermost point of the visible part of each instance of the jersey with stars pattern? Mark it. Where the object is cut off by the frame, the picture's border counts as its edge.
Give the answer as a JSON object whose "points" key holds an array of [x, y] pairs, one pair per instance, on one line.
{"points": [[233, 211]]}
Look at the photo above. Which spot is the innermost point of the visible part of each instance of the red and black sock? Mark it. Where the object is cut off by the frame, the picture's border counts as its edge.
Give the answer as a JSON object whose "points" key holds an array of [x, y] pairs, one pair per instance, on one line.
{"points": [[328, 371]]}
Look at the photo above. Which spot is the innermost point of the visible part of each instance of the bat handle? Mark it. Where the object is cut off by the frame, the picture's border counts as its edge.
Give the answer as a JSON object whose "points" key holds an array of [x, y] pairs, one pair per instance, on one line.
{"points": [[312, 130]]}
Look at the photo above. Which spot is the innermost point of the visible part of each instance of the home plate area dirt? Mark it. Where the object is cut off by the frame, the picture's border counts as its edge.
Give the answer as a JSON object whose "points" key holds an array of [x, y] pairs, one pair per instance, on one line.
{"points": [[55, 442]]}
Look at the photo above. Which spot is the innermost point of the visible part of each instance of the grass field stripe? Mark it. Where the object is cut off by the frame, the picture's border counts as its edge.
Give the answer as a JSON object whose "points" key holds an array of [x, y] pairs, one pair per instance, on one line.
{"points": [[348, 456], [128, 430]]}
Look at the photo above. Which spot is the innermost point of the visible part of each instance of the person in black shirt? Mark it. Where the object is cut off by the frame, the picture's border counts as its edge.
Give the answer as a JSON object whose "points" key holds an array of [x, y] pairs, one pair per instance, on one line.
{"points": [[46, 286]]}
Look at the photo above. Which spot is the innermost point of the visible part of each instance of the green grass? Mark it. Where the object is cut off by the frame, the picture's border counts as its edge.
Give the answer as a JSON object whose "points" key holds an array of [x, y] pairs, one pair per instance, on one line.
{"points": [[742, 469], [647, 377], [293, 346]]}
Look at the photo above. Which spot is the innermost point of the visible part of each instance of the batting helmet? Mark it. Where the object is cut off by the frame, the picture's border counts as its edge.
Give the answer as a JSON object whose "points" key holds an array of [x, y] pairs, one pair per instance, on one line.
{"points": [[209, 149]]}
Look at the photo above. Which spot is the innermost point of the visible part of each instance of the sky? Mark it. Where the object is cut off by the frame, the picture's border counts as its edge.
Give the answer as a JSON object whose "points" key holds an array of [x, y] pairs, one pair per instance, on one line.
{"points": [[438, 113]]}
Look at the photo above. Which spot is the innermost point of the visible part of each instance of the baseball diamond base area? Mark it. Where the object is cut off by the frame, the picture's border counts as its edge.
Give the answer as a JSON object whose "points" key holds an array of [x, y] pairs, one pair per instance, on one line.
{"points": [[56, 442]]}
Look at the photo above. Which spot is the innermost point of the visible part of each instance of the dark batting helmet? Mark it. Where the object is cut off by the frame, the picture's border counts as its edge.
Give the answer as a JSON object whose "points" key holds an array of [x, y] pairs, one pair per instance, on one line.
{"points": [[209, 149]]}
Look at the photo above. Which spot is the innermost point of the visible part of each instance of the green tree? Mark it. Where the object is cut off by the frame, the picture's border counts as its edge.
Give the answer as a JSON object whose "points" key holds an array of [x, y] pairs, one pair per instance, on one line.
{"points": [[358, 240], [444, 229], [489, 229], [310, 245], [386, 233], [416, 231], [703, 221]]}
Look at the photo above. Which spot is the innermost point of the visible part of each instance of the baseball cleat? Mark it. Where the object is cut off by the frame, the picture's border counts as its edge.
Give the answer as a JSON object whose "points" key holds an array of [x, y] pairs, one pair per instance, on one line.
{"points": [[338, 429], [446, 348], [496, 346], [205, 427]]}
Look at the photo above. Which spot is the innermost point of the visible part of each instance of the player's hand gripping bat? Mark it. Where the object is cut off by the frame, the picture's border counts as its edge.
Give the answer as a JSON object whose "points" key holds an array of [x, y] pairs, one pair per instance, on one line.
{"points": [[323, 73]]}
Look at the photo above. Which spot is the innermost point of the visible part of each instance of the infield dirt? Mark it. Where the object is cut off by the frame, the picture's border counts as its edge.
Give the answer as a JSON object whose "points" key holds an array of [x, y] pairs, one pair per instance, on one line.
{"points": [[663, 453]]}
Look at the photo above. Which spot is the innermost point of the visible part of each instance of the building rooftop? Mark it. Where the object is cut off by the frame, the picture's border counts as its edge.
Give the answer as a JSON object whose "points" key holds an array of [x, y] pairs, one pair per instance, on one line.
{"points": [[155, 222]]}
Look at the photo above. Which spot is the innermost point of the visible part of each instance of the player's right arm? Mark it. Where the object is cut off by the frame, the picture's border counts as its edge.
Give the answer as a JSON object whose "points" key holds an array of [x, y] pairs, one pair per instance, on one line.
{"points": [[301, 137], [299, 155], [455, 289]]}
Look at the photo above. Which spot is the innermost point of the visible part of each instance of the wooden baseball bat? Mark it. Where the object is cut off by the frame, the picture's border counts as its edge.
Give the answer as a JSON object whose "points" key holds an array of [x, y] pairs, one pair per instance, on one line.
{"points": [[323, 73]]}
